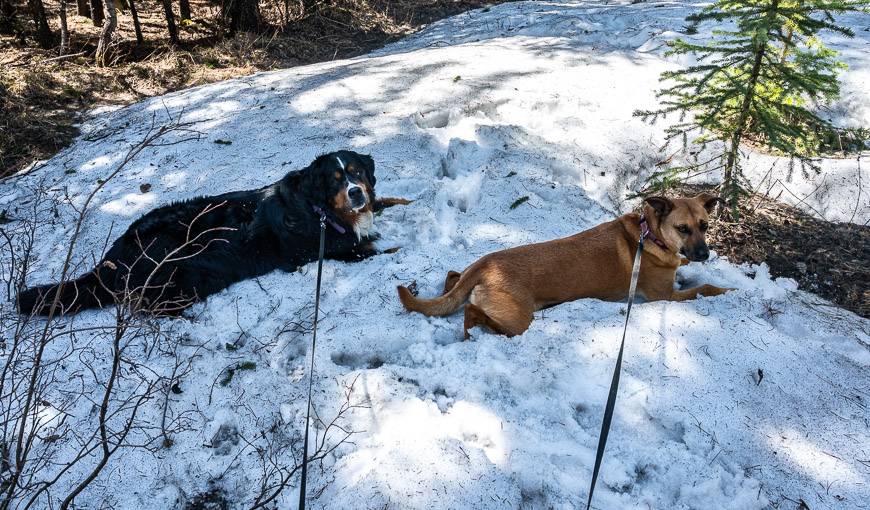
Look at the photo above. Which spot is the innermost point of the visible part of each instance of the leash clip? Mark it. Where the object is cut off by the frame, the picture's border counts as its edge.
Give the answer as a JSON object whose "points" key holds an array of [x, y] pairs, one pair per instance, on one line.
{"points": [[646, 232], [324, 219]]}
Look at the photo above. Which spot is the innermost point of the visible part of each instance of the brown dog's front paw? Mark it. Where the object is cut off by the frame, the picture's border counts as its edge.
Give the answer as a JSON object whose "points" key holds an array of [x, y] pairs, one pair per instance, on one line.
{"points": [[712, 290]]}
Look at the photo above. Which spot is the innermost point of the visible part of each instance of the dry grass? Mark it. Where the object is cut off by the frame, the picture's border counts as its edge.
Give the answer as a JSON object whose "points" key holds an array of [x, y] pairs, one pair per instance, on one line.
{"points": [[41, 99]]}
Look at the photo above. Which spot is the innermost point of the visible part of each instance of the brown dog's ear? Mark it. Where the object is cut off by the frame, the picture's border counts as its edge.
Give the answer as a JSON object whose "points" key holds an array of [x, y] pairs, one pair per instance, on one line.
{"points": [[709, 201], [661, 205]]}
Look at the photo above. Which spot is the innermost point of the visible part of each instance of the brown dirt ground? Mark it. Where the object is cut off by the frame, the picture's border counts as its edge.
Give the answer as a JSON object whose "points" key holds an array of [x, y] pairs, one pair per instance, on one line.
{"points": [[826, 258], [41, 99]]}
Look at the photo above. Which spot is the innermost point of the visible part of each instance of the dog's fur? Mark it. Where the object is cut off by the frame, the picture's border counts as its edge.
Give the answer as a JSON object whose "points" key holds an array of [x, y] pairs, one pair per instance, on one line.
{"points": [[505, 288], [183, 252]]}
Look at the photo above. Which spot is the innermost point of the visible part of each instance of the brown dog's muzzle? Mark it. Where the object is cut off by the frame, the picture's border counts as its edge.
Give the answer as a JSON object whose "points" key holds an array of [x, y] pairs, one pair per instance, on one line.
{"points": [[698, 252]]}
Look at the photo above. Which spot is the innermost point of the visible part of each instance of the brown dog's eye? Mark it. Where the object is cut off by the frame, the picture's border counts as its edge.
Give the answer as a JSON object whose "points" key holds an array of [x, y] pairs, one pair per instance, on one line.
{"points": [[684, 229], [703, 225]]}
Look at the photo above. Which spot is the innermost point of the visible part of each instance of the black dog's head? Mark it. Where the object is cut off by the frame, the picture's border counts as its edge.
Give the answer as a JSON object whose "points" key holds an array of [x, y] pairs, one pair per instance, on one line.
{"points": [[342, 183]]}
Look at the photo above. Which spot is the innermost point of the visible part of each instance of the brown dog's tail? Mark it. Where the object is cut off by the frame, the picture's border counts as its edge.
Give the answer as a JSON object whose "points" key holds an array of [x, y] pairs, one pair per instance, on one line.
{"points": [[446, 304]]}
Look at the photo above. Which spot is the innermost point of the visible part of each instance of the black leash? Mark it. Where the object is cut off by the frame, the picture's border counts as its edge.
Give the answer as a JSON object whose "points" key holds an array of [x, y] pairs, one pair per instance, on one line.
{"points": [[614, 384], [304, 476]]}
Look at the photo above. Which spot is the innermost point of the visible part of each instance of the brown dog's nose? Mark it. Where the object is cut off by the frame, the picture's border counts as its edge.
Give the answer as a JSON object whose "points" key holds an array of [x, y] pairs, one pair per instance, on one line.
{"points": [[702, 253]]}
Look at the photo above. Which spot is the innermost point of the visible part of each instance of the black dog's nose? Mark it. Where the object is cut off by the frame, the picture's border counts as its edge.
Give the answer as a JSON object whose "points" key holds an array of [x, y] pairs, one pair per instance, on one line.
{"points": [[356, 196]]}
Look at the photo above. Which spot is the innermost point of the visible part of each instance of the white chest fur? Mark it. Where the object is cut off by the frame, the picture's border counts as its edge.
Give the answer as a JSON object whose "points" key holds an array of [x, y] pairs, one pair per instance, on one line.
{"points": [[363, 224]]}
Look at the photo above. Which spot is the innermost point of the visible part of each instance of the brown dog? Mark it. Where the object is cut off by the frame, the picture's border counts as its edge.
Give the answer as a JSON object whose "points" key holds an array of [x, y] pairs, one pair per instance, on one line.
{"points": [[507, 287]]}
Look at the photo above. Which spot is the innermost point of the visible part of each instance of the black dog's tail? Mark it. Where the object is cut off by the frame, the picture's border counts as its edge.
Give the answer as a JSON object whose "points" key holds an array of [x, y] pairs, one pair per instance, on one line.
{"points": [[83, 292]]}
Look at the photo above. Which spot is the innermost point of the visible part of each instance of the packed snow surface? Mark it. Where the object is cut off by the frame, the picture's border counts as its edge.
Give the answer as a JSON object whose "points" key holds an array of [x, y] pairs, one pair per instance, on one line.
{"points": [[527, 99]]}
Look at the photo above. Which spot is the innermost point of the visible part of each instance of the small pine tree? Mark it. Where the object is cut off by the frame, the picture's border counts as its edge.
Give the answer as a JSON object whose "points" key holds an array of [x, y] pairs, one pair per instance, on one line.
{"points": [[757, 82]]}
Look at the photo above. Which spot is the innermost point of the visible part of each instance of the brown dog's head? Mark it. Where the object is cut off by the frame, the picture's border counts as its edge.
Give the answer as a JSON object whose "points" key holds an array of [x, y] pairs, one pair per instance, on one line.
{"points": [[681, 223]]}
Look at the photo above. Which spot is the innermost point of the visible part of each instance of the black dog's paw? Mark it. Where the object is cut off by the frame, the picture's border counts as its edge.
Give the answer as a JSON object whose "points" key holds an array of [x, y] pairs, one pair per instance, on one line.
{"points": [[361, 252], [394, 249]]}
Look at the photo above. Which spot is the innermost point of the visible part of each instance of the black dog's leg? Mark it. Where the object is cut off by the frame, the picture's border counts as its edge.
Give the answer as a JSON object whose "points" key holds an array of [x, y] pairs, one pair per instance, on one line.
{"points": [[361, 252]]}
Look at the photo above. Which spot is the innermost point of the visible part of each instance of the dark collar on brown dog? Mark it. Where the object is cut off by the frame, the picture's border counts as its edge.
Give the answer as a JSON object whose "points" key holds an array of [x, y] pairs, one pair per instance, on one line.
{"points": [[324, 216], [647, 233]]}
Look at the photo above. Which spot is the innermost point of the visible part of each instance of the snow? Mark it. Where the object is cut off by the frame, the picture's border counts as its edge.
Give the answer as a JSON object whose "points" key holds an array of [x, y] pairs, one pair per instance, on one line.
{"points": [[526, 99]]}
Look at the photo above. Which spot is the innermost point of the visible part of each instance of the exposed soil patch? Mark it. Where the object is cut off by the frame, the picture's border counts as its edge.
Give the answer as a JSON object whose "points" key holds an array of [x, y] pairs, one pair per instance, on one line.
{"points": [[826, 258], [41, 97]]}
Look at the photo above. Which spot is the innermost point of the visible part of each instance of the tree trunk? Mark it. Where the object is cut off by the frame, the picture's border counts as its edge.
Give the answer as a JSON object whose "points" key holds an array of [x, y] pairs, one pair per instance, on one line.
{"points": [[106, 33], [43, 33], [64, 30], [97, 12], [728, 183], [184, 9], [243, 15], [786, 46], [83, 8], [7, 17], [170, 21], [136, 26]]}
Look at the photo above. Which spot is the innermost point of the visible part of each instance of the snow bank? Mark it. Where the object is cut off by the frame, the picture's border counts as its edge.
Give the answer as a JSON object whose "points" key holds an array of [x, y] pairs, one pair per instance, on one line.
{"points": [[528, 99]]}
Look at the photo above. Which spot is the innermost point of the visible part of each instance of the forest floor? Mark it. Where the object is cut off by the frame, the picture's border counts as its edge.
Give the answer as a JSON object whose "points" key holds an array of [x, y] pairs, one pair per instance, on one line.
{"points": [[43, 97], [831, 259]]}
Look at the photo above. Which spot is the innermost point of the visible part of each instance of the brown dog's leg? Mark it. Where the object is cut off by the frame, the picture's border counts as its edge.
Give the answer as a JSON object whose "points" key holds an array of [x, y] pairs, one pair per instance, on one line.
{"points": [[450, 281], [500, 311], [474, 316], [703, 290]]}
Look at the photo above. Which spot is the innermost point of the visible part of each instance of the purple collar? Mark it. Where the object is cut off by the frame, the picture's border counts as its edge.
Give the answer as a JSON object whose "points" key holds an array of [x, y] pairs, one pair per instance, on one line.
{"points": [[647, 234], [324, 216]]}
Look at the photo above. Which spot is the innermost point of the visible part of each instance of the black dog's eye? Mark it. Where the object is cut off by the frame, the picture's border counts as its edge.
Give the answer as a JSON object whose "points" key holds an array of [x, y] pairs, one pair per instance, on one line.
{"points": [[684, 229], [703, 226], [337, 175]]}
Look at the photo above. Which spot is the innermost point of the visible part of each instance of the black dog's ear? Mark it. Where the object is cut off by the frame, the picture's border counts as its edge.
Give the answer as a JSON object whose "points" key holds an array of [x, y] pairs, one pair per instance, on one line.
{"points": [[310, 181], [661, 205], [369, 165], [709, 201]]}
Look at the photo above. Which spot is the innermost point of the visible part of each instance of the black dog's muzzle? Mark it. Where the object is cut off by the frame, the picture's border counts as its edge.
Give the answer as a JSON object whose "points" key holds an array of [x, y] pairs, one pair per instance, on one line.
{"points": [[356, 196]]}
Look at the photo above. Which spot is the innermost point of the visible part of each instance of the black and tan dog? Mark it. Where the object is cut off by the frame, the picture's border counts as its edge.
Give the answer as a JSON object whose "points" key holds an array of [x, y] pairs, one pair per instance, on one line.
{"points": [[182, 252], [505, 288]]}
